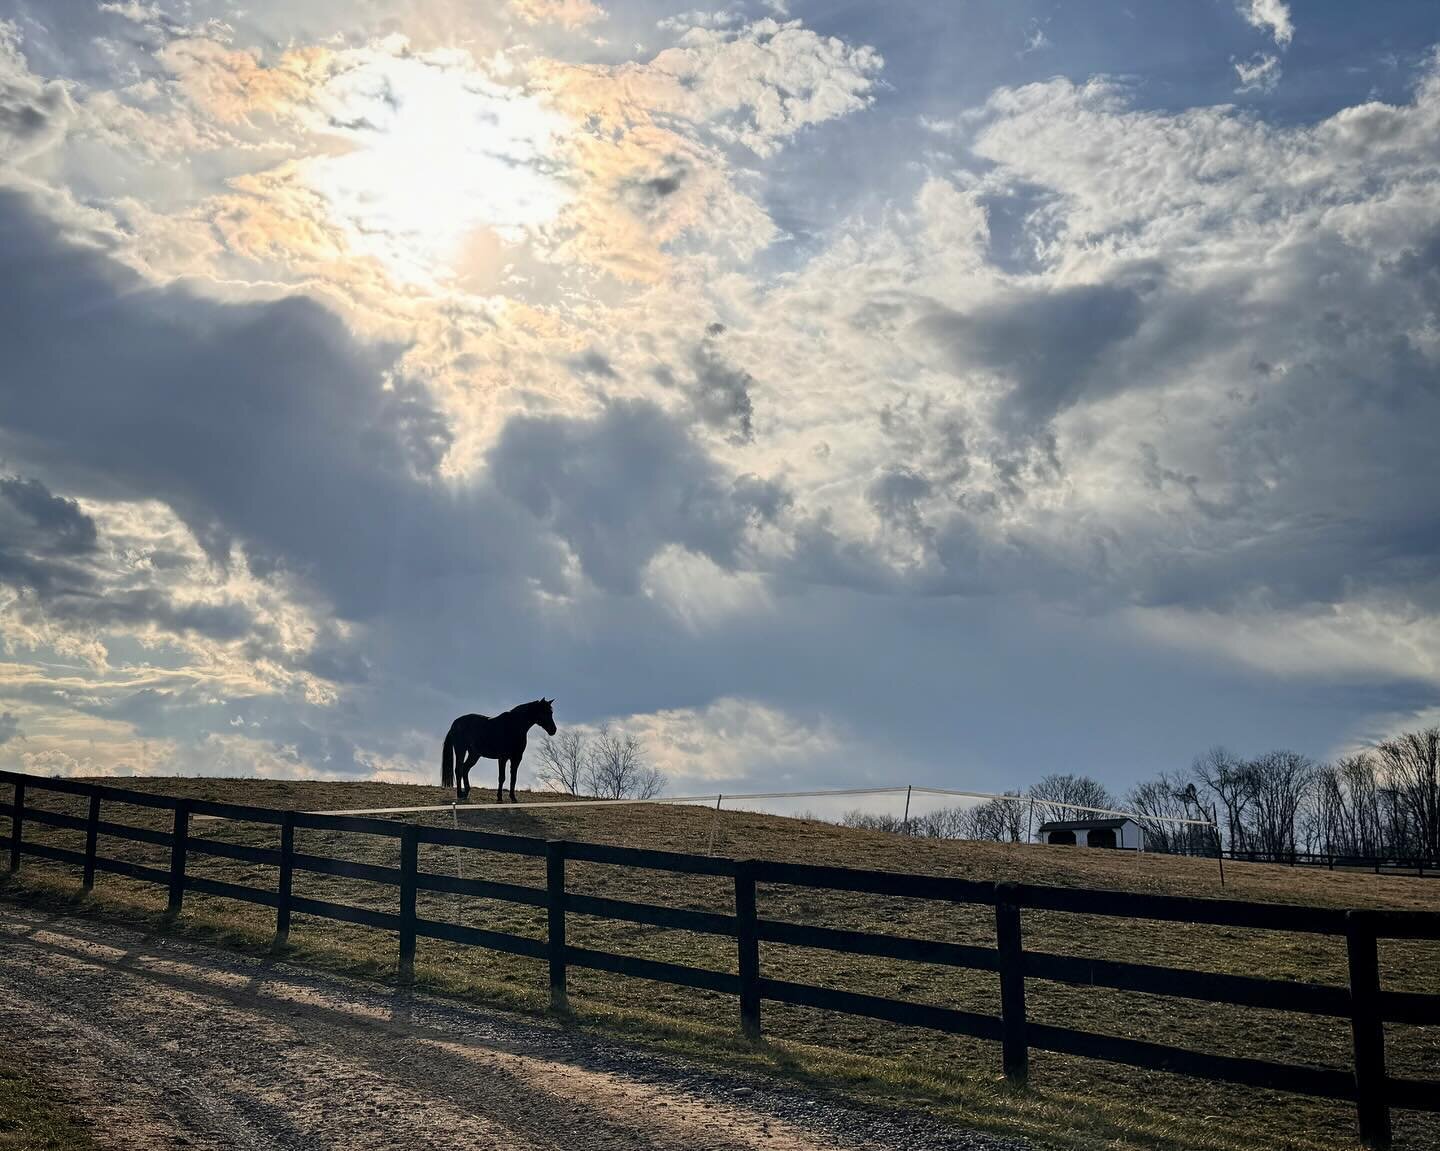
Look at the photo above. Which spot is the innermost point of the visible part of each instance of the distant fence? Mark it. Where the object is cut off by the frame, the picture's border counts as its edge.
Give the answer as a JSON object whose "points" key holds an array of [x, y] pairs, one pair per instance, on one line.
{"points": [[1363, 1002], [1380, 864]]}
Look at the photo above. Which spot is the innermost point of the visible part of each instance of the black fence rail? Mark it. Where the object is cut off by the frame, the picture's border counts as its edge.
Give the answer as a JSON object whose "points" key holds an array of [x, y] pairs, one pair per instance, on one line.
{"points": [[1380, 864], [1363, 1002]]}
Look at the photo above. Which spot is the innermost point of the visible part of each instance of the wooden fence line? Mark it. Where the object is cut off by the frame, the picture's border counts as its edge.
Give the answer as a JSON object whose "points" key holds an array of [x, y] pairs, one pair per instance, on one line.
{"points": [[1407, 866], [1364, 1002]]}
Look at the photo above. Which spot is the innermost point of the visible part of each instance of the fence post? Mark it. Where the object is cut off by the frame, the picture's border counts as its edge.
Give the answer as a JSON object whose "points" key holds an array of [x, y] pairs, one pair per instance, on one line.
{"points": [[92, 834], [287, 872], [1015, 1052], [17, 823], [178, 841], [748, 939], [555, 904], [1373, 1112], [409, 861]]}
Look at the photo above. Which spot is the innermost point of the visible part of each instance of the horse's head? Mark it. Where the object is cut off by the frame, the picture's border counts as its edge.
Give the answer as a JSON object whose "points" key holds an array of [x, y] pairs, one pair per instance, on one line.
{"points": [[544, 712]]}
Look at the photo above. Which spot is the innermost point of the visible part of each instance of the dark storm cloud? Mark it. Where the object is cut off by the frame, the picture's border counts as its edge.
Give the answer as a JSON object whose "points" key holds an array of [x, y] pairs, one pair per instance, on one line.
{"points": [[646, 195], [1048, 344], [261, 423], [718, 391], [619, 487], [43, 538], [50, 550], [593, 363], [895, 496]]}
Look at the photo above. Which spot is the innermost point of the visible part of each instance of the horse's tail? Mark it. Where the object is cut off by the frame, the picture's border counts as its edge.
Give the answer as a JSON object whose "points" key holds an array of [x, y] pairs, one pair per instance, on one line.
{"points": [[447, 760]]}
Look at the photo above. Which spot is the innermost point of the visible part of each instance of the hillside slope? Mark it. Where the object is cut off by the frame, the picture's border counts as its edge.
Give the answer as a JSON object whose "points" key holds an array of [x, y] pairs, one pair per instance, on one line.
{"points": [[1114, 1106]]}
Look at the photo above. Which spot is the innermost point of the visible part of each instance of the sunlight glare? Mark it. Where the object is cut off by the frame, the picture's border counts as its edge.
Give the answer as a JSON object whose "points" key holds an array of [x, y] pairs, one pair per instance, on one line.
{"points": [[437, 152]]}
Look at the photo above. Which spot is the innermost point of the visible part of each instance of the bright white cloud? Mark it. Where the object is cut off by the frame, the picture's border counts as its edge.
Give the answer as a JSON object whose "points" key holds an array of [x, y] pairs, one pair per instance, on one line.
{"points": [[1261, 73], [734, 739], [760, 84], [566, 13], [1272, 16]]}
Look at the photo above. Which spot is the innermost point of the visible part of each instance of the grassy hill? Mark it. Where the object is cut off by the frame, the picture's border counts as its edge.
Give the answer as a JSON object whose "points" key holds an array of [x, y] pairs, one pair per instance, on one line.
{"points": [[1070, 1101]]}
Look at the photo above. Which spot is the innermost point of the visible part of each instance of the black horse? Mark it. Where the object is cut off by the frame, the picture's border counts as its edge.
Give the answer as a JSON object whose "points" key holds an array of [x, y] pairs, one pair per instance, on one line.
{"points": [[477, 737]]}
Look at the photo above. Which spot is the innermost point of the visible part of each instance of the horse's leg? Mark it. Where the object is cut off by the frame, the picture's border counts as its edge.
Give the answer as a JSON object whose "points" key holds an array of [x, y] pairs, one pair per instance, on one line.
{"points": [[514, 767], [469, 760], [500, 787]]}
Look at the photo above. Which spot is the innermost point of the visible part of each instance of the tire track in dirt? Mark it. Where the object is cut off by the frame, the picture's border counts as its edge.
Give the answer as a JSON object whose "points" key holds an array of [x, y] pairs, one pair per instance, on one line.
{"points": [[163, 1043]]}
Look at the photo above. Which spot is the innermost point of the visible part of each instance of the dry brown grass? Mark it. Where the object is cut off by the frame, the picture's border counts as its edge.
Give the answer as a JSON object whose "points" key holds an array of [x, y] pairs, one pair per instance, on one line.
{"points": [[1070, 1102]]}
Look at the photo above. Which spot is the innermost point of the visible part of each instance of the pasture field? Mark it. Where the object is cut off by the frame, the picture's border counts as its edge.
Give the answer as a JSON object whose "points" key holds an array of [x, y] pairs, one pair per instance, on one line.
{"points": [[1069, 1102]]}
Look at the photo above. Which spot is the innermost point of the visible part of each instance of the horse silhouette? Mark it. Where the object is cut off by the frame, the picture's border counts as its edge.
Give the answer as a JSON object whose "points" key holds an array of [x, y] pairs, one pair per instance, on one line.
{"points": [[502, 737]]}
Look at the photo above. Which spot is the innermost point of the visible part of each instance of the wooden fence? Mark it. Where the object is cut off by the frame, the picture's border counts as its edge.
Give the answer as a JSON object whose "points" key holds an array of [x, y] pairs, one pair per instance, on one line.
{"points": [[1413, 866], [1364, 1002]]}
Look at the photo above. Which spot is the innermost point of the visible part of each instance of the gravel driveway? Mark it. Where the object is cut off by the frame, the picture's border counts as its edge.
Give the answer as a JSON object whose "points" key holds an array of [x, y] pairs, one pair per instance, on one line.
{"points": [[163, 1043]]}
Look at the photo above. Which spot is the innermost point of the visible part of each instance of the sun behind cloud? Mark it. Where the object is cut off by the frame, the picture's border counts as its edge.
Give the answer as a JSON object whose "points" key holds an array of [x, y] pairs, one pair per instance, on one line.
{"points": [[433, 152]]}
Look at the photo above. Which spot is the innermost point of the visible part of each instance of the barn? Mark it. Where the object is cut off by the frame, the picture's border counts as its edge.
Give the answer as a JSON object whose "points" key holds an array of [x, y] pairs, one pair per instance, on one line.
{"points": [[1121, 833]]}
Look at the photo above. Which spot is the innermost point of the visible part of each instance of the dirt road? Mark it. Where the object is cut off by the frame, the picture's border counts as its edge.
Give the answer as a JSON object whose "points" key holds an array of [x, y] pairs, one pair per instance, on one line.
{"points": [[169, 1044]]}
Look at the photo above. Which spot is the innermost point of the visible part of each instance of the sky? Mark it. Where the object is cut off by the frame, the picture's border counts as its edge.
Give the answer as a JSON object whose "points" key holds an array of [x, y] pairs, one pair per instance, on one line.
{"points": [[831, 394]]}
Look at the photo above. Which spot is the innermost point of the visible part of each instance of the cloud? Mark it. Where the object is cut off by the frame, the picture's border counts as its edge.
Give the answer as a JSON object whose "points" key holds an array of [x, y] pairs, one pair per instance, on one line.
{"points": [[1035, 38], [732, 739], [9, 727], [721, 393], [34, 113], [1269, 15], [621, 486], [756, 85], [1261, 73], [896, 495], [263, 423], [233, 86], [594, 363], [1050, 345], [567, 13], [50, 553]]}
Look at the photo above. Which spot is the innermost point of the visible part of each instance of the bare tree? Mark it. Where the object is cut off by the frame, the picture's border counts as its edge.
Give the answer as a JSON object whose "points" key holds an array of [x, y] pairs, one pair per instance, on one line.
{"points": [[1157, 803], [616, 767], [871, 821], [995, 820], [1226, 777], [1410, 764], [1058, 796], [1278, 784], [1346, 809], [563, 759]]}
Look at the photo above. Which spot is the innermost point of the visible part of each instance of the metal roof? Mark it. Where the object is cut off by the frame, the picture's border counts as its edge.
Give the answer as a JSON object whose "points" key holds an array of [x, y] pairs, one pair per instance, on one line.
{"points": [[1085, 824]]}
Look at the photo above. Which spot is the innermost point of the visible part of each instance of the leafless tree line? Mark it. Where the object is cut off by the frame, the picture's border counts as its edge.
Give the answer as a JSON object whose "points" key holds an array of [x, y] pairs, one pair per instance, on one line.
{"points": [[1383, 802], [1011, 818], [605, 763], [1002, 820]]}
